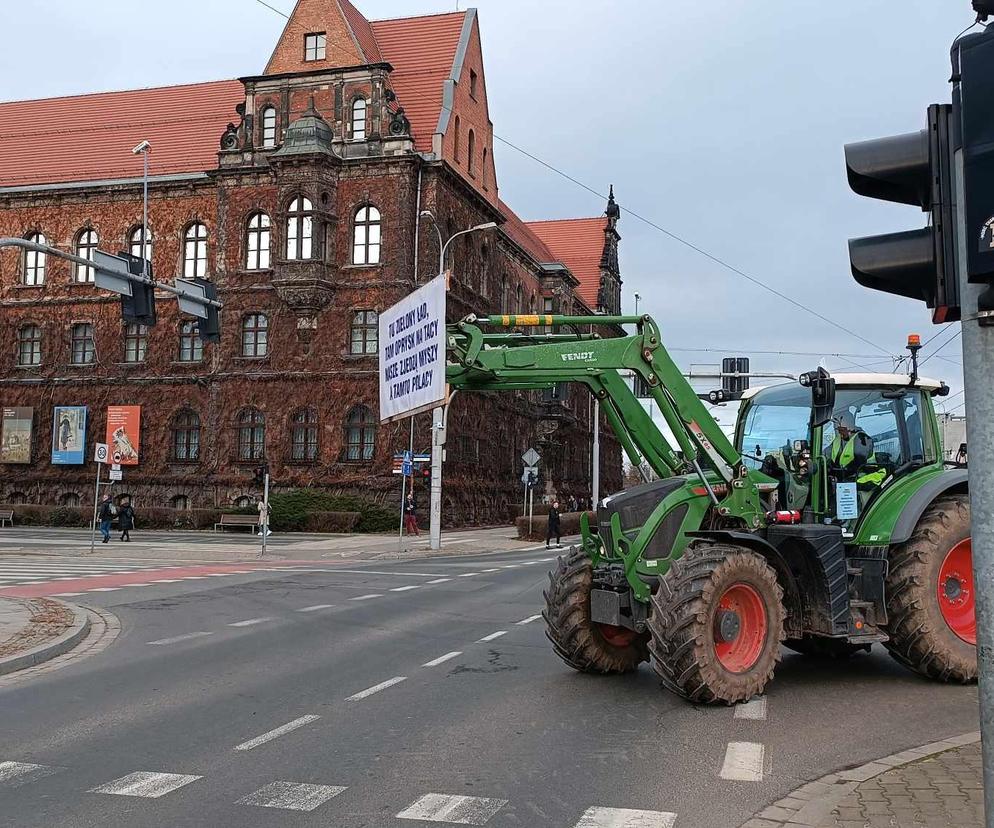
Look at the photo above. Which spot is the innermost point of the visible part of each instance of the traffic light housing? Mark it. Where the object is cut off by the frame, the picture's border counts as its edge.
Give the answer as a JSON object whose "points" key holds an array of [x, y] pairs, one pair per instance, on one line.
{"points": [[140, 305], [259, 475], [734, 365], [916, 169], [209, 328]]}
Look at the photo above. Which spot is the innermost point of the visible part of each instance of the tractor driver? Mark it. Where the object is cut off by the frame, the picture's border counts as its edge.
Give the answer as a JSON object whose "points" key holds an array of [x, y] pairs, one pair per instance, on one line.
{"points": [[851, 451]]}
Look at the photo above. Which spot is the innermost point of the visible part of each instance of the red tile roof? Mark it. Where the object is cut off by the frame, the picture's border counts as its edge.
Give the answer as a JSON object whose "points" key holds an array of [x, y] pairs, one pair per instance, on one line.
{"points": [[522, 235], [362, 30], [90, 137], [578, 244], [421, 51]]}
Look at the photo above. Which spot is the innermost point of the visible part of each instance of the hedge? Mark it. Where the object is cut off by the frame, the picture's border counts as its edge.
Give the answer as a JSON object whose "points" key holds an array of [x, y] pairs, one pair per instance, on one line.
{"points": [[294, 511], [569, 524]]}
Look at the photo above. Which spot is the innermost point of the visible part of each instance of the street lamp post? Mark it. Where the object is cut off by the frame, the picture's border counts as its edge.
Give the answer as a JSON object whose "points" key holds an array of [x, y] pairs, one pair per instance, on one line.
{"points": [[143, 149], [637, 297], [439, 418]]}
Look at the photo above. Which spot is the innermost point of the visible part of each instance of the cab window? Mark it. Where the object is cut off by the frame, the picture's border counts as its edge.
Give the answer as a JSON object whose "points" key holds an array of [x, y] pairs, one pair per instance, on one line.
{"points": [[894, 423]]}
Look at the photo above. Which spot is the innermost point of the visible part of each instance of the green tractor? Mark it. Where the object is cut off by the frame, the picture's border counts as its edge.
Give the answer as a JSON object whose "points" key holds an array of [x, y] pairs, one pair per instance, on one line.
{"points": [[832, 523]]}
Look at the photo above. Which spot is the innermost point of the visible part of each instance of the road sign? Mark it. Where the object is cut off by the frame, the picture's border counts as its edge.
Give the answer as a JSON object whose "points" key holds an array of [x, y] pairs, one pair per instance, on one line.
{"points": [[100, 451], [528, 472], [531, 457], [111, 273], [115, 466], [188, 300], [116, 474], [118, 457], [406, 466]]}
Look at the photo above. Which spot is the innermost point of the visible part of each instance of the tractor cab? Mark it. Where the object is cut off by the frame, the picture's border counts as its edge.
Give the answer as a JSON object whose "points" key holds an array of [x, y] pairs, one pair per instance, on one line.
{"points": [[880, 428]]}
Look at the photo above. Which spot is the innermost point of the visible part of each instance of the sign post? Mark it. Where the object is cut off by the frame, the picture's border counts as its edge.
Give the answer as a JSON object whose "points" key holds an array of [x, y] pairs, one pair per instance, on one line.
{"points": [[100, 452]]}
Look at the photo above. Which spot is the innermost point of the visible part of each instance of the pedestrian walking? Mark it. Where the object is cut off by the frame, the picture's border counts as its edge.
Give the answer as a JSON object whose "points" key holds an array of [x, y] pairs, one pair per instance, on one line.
{"points": [[265, 511], [553, 528], [411, 516], [126, 519], [106, 515]]}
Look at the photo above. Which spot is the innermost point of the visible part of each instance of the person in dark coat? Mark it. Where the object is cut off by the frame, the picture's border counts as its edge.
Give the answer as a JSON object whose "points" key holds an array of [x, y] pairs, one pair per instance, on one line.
{"points": [[553, 525], [126, 519], [411, 516], [106, 517]]}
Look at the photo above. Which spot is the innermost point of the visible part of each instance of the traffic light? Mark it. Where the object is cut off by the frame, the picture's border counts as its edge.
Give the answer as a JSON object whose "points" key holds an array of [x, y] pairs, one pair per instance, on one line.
{"points": [[209, 328], [917, 169], [734, 365], [140, 305], [532, 480], [259, 475]]}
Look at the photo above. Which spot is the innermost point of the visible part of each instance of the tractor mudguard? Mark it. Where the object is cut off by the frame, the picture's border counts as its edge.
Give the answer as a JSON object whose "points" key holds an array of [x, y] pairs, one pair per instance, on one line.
{"points": [[920, 501]]}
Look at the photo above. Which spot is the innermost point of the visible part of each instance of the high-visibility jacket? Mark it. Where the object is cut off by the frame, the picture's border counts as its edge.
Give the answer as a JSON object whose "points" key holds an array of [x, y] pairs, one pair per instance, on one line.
{"points": [[852, 454]]}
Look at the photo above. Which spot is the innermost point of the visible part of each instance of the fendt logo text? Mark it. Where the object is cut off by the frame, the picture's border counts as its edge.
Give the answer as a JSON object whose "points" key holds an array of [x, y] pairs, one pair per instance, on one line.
{"points": [[582, 356]]}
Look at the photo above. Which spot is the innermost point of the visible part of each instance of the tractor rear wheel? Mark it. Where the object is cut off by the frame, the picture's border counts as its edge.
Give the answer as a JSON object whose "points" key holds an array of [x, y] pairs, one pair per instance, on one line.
{"points": [[717, 623], [931, 598], [584, 644]]}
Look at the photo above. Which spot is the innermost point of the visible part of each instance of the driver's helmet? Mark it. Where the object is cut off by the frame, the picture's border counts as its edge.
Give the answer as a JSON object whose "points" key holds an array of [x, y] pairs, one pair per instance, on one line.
{"points": [[844, 419]]}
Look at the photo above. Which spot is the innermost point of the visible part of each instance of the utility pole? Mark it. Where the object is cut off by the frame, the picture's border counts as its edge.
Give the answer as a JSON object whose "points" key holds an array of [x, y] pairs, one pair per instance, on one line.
{"points": [[264, 528]]}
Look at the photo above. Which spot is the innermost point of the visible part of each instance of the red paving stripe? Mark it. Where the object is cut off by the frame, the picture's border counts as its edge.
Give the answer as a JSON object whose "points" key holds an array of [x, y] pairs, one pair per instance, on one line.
{"points": [[124, 579]]}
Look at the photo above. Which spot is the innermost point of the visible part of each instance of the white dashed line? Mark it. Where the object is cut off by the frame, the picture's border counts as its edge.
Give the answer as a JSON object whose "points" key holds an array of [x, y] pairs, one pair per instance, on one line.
{"points": [[249, 622], [177, 638], [168, 580], [439, 581], [366, 597], [528, 620], [442, 659], [376, 688], [625, 818], [405, 588], [752, 709], [511, 566], [315, 608], [495, 569], [291, 796], [743, 762], [289, 727], [19, 773], [104, 589], [67, 594], [194, 577], [492, 636], [457, 810], [469, 574], [145, 784]]}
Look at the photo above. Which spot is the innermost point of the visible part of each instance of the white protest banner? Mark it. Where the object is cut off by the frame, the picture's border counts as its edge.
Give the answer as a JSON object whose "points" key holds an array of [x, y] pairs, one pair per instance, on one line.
{"points": [[412, 352]]}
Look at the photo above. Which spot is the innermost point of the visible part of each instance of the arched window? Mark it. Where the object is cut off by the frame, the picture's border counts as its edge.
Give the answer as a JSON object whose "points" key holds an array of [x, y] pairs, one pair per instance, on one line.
{"points": [[366, 236], [135, 342], [255, 335], [86, 244], [140, 243], [304, 435], [456, 141], [35, 261], [359, 119], [186, 435], [300, 229], [191, 346], [17, 498], [84, 349], [257, 242], [360, 434], [251, 434], [195, 251], [471, 151], [70, 499], [179, 502], [365, 332], [268, 120], [29, 346]]}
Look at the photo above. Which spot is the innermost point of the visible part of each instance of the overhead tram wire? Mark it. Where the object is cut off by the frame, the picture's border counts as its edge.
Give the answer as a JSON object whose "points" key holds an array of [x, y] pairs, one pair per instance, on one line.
{"points": [[710, 256], [954, 337]]}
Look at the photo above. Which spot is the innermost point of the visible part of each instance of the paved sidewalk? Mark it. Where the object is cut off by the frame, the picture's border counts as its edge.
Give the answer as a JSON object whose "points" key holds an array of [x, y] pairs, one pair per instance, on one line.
{"points": [[934, 786], [32, 630]]}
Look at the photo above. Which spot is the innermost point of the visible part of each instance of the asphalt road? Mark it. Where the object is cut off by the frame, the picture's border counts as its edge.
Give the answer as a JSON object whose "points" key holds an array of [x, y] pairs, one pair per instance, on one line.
{"points": [[415, 693]]}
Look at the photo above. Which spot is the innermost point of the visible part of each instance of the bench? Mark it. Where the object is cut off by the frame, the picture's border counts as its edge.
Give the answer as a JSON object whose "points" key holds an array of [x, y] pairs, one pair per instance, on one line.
{"points": [[6, 516], [251, 521]]}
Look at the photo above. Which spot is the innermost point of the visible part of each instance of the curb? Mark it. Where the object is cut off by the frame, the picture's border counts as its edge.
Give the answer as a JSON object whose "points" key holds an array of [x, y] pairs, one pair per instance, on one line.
{"points": [[52, 649], [811, 803]]}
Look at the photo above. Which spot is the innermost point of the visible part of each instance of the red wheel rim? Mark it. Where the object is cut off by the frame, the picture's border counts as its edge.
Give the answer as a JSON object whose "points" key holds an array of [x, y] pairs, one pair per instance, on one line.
{"points": [[740, 628], [616, 636], [957, 597]]}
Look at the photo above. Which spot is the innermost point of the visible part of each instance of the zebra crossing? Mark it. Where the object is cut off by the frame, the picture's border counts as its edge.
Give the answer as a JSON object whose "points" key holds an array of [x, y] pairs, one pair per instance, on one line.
{"points": [[36, 571], [442, 808]]}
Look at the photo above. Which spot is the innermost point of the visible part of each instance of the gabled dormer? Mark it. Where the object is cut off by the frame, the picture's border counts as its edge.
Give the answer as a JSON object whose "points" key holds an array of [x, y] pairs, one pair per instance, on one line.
{"points": [[324, 34]]}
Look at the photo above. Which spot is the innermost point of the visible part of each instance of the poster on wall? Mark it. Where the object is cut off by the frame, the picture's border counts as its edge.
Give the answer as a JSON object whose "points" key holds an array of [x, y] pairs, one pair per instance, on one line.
{"points": [[15, 435], [124, 433], [68, 435]]}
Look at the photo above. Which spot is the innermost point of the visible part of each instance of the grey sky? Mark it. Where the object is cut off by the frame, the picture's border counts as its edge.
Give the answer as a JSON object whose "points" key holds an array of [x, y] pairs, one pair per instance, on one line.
{"points": [[722, 122]]}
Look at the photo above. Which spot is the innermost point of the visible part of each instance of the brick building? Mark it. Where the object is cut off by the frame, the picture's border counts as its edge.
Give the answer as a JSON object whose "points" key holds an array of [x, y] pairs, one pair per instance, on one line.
{"points": [[298, 192]]}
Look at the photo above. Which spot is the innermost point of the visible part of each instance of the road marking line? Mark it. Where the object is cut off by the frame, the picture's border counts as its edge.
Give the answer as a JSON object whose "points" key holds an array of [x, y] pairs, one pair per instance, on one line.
{"points": [[376, 688], [752, 709], [217, 575], [743, 762], [529, 563], [176, 638], [495, 569], [439, 581], [67, 594], [291, 796], [145, 784], [167, 581], [457, 810], [276, 733], [492, 636], [366, 597], [442, 659], [405, 588], [20, 773], [545, 560], [315, 608], [511, 566], [468, 574], [250, 622], [128, 586], [625, 818], [103, 589], [528, 620]]}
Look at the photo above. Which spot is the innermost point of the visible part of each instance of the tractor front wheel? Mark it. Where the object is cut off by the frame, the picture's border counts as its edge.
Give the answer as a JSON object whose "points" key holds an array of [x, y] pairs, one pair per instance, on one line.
{"points": [[584, 644], [931, 597], [717, 623]]}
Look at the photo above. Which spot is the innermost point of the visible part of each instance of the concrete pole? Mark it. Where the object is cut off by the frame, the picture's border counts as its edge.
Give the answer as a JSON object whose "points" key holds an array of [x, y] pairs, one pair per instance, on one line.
{"points": [[596, 476], [978, 368], [437, 446], [264, 528], [96, 504]]}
